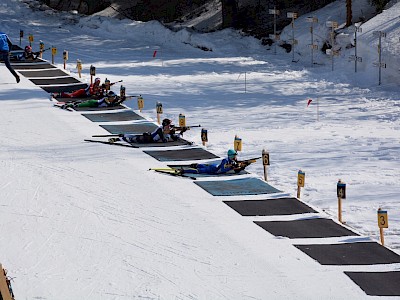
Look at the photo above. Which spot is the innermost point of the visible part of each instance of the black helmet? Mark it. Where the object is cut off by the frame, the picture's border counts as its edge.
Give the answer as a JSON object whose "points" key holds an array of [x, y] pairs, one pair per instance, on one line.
{"points": [[111, 95], [166, 122]]}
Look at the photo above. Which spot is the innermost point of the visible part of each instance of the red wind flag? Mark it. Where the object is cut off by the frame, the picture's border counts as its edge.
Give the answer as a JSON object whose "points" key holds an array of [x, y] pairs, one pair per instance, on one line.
{"points": [[155, 53], [309, 102]]}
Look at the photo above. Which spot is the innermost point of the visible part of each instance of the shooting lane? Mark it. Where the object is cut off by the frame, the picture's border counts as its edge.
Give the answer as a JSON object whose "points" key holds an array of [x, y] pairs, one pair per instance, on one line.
{"points": [[348, 251]]}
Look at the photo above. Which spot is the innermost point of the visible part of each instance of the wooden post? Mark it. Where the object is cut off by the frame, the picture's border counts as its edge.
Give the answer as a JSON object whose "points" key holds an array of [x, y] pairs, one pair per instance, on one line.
{"points": [[204, 136], [41, 48], [300, 182], [4, 285], [341, 194], [382, 223], [182, 120], [65, 58], [30, 38], [237, 143], [21, 35], [53, 53], [159, 110], [92, 71], [265, 158], [140, 102], [79, 67]]}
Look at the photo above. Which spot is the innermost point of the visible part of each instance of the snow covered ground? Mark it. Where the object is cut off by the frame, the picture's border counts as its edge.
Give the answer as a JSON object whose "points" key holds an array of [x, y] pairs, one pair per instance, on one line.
{"points": [[89, 221]]}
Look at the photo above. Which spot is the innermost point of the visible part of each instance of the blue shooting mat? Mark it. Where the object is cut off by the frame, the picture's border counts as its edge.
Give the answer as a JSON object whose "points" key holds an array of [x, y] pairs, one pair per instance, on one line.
{"points": [[362, 253], [126, 115], [377, 283], [270, 207], [305, 228], [237, 187], [181, 154]]}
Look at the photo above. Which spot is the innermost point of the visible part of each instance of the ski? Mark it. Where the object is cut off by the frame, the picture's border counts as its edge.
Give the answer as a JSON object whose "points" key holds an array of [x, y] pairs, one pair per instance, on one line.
{"points": [[60, 106], [108, 143], [172, 172], [105, 135]]}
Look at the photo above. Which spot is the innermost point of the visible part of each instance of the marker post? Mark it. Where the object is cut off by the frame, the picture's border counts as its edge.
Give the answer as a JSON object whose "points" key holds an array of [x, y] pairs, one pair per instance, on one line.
{"points": [[380, 64], [341, 194], [313, 46], [382, 223], [41, 48], [301, 176], [159, 111], [204, 136], [237, 143], [182, 120], [265, 159], [21, 35], [275, 37], [31, 39], [293, 16], [65, 58], [140, 102], [53, 53], [92, 71], [79, 67]]}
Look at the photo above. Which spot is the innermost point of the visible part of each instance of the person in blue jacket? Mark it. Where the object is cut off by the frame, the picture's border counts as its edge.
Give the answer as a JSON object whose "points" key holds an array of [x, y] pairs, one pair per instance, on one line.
{"points": [[227, 164], [5, 47]]}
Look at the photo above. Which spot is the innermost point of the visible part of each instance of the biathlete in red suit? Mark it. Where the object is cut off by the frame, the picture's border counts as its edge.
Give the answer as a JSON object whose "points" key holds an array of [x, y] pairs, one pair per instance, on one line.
{"points": [[92, 90]]}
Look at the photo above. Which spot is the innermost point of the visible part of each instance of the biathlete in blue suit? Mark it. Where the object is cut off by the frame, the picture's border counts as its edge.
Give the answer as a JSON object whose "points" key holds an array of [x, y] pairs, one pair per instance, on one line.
{"points": [[5, 47], [227, 164]]}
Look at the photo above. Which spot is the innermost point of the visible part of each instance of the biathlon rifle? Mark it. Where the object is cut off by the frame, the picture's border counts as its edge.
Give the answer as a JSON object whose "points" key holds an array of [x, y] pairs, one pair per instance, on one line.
{"points": [[182, 129], [247, 162], [242, 164], [111, 83], [40, 51]]}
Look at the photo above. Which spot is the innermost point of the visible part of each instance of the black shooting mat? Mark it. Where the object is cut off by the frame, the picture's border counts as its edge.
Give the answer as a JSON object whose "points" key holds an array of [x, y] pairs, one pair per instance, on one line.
{"points": [[185, 167], [64, 88], [305, 228], [377, 283], [271, 207], [181, 154], [44, 73], [126, 115], [33, 66], [82, 99], [27, 60], [137, 128], [236, 187], [97, 108], [179, 142], [52, 81], [363, 253]]}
